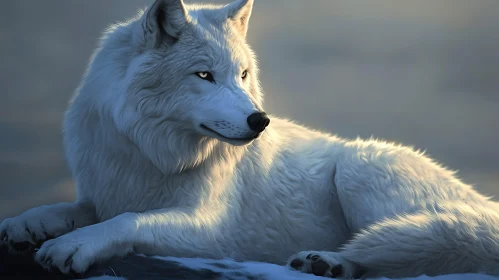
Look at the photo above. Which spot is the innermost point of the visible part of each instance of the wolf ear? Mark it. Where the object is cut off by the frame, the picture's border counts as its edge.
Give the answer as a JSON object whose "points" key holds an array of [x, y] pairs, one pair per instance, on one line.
{"points": [[163, 22], [239, 12]]}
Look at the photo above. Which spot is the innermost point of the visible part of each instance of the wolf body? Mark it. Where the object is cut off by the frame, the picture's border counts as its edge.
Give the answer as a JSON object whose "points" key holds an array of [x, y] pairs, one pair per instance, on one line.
{"points": [[171, 154]]}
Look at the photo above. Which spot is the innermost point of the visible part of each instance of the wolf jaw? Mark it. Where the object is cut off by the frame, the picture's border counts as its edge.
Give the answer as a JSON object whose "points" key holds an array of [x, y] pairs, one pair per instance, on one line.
{"points": [[233, 141]]}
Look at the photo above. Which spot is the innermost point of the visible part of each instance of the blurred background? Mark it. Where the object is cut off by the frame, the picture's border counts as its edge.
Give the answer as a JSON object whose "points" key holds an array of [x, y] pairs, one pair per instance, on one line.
{"points": [[424, 73]]}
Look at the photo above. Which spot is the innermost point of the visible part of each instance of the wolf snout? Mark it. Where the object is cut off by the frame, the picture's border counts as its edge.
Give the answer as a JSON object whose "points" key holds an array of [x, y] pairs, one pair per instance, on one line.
{"points": [[258, 121]]}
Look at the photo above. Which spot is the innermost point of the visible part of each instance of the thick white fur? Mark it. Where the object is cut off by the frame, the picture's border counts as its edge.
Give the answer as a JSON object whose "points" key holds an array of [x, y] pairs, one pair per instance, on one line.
{"points": [[150, 180]]}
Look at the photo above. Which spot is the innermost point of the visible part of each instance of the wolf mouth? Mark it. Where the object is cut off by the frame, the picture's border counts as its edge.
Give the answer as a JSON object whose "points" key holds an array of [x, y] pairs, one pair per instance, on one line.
{"points": [[246, 139]]}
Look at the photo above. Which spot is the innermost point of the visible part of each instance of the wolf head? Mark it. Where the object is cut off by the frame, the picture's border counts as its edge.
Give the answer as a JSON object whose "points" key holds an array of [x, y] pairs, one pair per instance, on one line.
{"points": [[192, 70], [179, 81]]}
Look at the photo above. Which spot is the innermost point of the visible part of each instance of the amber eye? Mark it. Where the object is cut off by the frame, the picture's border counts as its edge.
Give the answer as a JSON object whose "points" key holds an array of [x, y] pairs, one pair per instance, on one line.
{"points": [[244, 74], [205, 76]]}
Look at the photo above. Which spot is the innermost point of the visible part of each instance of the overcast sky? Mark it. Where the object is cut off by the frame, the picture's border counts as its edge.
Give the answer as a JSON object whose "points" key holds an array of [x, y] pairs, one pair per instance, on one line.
{"points": [[424, 73]]}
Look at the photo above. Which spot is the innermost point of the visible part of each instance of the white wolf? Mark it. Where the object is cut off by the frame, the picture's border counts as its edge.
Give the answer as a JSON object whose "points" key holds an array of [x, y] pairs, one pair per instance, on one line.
{"points": [[170, 150]]}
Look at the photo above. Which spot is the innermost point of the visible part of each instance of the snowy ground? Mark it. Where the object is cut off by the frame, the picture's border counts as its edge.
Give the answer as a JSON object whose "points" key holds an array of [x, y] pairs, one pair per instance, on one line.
{"points": [[183, 268], [138, 267]]}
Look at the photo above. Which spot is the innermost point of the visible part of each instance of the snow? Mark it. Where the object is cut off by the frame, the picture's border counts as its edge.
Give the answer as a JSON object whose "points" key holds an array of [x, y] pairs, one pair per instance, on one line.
{"points": [[243, 270]]}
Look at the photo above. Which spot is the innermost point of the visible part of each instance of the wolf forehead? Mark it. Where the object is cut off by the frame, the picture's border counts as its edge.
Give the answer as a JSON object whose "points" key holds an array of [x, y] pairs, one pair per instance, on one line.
{"points": [[213, 35]]}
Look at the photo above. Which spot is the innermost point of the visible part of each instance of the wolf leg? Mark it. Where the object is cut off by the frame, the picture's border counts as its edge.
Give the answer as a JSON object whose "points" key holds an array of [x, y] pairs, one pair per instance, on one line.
{"points": [[36, 225], [463, 239], [159, 232]]}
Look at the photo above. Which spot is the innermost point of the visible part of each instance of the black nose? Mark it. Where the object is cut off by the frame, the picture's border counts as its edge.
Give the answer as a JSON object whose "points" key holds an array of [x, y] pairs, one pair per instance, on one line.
{"points": [[258, 121]]}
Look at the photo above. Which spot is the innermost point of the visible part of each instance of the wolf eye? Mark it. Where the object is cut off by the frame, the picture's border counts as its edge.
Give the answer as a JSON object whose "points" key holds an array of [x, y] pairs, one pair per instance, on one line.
{"points": [[205, 76], [244, 74]]}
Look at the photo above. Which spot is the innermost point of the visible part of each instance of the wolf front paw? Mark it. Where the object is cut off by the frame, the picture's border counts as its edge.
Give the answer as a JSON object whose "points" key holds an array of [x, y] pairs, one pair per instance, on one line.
{"points": [[76, 251], [30, 229], [328, 264]]}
